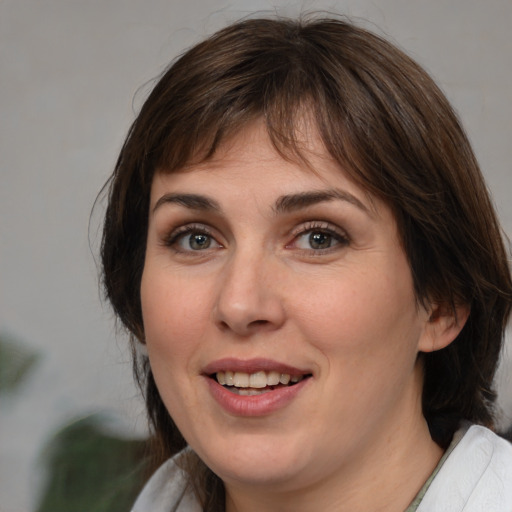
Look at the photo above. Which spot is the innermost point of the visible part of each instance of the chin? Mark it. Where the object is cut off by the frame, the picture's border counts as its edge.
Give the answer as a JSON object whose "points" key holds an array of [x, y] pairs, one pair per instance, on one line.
{"points": [[256, 461]]}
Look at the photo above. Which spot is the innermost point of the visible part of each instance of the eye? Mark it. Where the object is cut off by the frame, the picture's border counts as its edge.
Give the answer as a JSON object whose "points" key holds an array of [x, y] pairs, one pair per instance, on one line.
{"points": [[192, 239], [195, 242], [316, 240], [319, 238]]}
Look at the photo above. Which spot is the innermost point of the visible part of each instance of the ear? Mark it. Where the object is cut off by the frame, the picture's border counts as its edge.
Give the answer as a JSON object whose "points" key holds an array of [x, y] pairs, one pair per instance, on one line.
{"points": [[442, 327]]}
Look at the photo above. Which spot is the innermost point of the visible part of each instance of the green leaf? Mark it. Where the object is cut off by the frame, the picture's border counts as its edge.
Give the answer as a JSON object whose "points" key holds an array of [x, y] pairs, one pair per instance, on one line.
{"points": [[16, 361], [90, 470]]}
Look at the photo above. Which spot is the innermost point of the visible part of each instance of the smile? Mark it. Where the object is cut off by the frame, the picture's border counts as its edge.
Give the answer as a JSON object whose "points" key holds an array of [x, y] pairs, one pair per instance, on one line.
{"points": [[251, 384], [255, 387]]}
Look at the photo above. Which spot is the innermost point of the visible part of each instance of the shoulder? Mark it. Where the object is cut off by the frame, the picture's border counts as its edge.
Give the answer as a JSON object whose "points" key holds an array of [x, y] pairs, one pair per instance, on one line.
{"points": [[167, 490], [476, 476]]}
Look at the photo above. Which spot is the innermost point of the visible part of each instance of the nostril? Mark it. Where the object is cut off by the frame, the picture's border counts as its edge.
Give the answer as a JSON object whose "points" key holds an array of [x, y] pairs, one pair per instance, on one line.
{"points": [[258, 322], [245, 329]]}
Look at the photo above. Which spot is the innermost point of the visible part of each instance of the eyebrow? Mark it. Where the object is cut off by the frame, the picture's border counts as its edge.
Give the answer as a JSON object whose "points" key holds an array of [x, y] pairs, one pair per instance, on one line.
{"points": [[191, 201], [293, 202], [284, 204]]}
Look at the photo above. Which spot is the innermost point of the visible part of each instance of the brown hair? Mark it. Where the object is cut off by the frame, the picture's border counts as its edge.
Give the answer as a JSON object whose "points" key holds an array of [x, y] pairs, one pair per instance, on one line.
{"points": [[386, 123]]}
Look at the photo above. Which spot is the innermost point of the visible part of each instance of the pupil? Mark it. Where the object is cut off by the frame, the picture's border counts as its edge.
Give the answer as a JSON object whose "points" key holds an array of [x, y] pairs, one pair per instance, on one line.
{"points": [[199, 241], [319, 240]]}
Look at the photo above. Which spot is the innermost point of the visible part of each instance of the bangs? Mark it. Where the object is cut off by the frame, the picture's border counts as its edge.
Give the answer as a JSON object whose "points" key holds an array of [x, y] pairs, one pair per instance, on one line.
{"points": [[365, 115], [288, 82]]}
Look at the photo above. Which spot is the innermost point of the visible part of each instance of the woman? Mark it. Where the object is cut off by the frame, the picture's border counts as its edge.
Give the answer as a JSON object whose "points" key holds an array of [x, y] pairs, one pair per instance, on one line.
{"points": [[302, 247]]}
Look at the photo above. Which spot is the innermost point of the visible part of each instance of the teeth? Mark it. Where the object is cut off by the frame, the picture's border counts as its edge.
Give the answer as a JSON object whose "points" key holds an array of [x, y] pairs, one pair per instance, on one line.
{"points": [[284, 378], [273, 378], [258, 380], [241, 380], [248, 391]]}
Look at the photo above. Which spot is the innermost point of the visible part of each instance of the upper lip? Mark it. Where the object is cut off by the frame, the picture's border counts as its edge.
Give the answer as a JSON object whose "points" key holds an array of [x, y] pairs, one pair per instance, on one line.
{"points": [[251, 366]]}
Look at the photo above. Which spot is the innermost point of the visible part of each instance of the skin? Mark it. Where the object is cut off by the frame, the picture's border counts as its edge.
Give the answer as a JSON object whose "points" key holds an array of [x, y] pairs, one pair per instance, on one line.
{"points": [[353, 438]]}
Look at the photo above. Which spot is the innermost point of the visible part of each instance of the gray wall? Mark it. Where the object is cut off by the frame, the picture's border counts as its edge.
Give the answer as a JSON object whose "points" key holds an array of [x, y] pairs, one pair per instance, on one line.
{"points": [[69, 72]]}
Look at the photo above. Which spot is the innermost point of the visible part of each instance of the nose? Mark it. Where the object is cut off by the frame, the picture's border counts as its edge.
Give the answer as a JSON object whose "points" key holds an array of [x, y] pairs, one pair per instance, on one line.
{"points": [[248, 299]]}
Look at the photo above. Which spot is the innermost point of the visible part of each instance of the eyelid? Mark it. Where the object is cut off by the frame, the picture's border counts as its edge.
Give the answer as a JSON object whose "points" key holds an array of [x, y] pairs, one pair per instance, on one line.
{"points": [[321, 225], [186, 228], [324, 226], [172, 239]]}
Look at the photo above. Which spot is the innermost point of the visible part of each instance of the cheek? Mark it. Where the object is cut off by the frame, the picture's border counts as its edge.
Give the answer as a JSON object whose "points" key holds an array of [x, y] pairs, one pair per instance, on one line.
{"points": [[173, 333], [173, 316], [363, 318]]}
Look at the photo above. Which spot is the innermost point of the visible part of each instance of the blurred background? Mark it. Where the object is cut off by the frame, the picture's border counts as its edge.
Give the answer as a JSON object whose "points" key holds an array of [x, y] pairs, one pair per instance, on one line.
{"points": [[73, 73]]}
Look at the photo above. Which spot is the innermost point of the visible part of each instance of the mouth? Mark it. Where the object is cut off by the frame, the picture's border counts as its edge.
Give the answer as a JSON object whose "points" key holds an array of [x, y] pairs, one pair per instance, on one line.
{"points": [[257, 383], [255, 387]]}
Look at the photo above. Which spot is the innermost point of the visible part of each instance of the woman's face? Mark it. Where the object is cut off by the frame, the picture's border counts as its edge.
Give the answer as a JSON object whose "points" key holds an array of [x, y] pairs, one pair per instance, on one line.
{"points": [[279, 314]]}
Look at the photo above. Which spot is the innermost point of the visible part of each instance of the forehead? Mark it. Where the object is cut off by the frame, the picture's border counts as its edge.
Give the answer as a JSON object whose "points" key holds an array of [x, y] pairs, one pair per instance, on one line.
{"points": [[249, 164]]}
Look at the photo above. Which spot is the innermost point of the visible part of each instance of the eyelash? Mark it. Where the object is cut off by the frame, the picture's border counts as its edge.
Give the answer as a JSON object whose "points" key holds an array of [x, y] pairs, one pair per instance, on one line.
{"points": [[321, 227], [181, 232]]}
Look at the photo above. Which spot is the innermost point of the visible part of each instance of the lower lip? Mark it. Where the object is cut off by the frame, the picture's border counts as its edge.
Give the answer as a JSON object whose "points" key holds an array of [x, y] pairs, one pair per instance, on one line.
{"points": [[256, 405]]}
